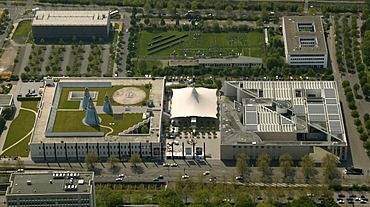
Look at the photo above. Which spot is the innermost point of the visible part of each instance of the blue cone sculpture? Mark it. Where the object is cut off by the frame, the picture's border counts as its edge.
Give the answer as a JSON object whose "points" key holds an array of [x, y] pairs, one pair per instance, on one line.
{"points": [[107, 107], [85, 101], [91, 117]]}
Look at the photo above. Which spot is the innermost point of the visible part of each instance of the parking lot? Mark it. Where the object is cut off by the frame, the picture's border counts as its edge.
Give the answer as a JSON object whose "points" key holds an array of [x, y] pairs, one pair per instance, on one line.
{"points": [[352, 198]]}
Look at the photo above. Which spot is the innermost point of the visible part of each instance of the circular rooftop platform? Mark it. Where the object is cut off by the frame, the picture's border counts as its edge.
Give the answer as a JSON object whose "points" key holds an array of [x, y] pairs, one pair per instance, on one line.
{"points": [[129, 95]]}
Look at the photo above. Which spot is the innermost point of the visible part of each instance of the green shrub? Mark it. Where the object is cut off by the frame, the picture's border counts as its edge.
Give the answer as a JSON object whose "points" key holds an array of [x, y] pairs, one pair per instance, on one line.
{"points": [[357, 122], [32, 98], [364, 137], [354, 114], [360, 129], [336, 187]]}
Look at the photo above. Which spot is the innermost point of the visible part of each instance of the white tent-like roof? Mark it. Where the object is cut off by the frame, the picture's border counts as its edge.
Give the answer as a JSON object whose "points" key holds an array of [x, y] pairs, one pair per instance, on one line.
{"points": [[194, 102]]}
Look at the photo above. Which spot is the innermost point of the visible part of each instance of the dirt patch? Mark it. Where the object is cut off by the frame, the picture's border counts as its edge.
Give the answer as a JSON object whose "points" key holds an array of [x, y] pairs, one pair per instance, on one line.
{"points": [[129, 95], [117, 116], [7, 58]]}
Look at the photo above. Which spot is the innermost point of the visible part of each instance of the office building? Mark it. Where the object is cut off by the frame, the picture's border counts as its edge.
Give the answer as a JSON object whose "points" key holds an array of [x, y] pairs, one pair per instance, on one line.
{"points": [[65, 24], [73, 189], [304, 41]]}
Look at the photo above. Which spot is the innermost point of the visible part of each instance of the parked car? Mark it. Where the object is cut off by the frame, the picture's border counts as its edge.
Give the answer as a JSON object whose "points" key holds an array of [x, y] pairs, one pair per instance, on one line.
{"points": [[341, 195], [185, 176], [240, 178], [206, 173], [121, 175], [119, 179]]}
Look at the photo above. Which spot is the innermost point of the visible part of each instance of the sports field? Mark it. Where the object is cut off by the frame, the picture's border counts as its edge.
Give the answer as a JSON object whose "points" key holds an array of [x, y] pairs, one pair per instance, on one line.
{"points": [[198, 44]]}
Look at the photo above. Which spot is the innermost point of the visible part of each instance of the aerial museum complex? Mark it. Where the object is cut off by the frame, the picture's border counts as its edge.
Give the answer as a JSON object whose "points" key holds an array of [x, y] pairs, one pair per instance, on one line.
{"points": [[114, 116]]}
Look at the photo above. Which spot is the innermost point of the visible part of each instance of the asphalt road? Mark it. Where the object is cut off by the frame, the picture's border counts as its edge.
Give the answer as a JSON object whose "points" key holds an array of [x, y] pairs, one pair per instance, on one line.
{"points": [[358, 154]]}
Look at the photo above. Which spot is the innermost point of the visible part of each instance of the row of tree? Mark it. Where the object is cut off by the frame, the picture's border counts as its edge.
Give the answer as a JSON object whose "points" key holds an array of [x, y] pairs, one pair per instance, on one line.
{"points": [[198, 194], [329, 164]]}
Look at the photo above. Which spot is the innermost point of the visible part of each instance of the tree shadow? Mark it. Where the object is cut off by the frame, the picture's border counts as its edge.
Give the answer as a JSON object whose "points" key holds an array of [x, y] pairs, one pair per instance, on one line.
{"points": [[115, 169], [137, 169], [290, 177], [267, 178], [97, 171]]}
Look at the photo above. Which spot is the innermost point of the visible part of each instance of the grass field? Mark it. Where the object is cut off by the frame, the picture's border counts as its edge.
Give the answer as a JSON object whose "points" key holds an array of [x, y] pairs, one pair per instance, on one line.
{"points": [[71, 121], [65, 104], [23, 32], [30, 105], [20, 126], [21, 149], [199, 44]]}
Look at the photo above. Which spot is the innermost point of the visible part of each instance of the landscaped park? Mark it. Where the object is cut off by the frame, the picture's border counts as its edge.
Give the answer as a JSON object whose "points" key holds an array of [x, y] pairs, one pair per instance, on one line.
{"points": [[70, 116], [19, 132], [199, 44]]}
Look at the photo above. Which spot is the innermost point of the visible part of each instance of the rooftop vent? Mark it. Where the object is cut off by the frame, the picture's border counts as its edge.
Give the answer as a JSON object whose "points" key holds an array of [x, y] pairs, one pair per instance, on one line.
{"points": [[70, 187], [81, 182]]}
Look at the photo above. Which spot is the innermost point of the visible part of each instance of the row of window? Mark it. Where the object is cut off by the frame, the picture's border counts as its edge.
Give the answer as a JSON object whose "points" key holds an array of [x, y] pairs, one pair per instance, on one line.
{"points": [[100, 147], [100, 153], [256, 147], [316, 62], [318, 58], [230, 64]]}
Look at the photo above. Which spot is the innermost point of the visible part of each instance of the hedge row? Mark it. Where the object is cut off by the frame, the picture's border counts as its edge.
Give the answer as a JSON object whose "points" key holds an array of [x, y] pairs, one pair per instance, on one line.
{"points": [[157, 37], [168, 46], [161, 40], [168, 42], [20, 98]]}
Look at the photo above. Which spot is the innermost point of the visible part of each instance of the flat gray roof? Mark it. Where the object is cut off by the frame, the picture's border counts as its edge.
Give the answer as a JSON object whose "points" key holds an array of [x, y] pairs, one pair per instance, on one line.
{"points": [[71, 18], [46, 183], [5, 100], [292, 35], [311, 103]]}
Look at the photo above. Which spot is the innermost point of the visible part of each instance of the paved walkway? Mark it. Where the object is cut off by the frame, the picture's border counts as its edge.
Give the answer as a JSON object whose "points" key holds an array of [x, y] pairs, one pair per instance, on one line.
{"points": [[107, 127], [356, 155]]}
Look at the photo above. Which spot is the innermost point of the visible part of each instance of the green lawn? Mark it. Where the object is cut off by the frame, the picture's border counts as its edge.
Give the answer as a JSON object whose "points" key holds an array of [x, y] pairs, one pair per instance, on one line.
{"points": [[128, 121], [23, 32], [150, 64], [20, 126], [30, 105], [209, 44], [21, 149], [65, 104], [71, 121]]}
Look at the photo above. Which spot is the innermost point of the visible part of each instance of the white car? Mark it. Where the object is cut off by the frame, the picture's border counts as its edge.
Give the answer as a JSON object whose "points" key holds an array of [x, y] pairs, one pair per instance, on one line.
{"points": [[119, 179], [166, 165], [185, 176], [121, 175], [174, 165], [239, 178], [206, 173]]}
